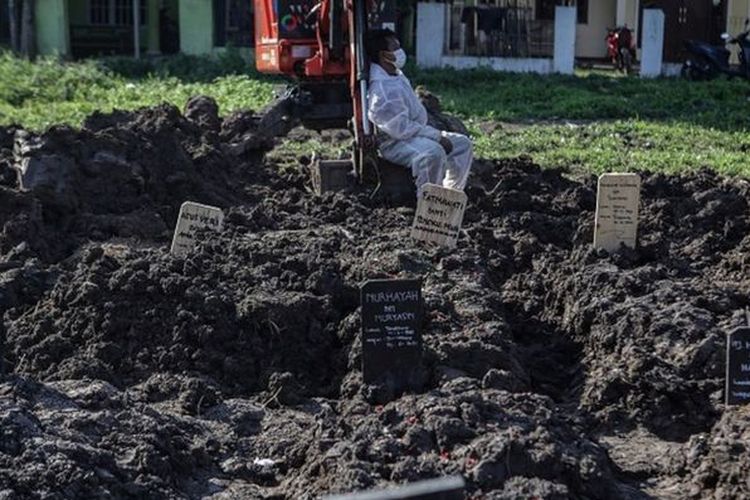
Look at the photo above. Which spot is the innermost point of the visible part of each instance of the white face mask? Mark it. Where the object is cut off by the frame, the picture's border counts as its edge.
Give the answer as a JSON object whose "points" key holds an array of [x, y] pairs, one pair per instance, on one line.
{"points": [[400, 61]]}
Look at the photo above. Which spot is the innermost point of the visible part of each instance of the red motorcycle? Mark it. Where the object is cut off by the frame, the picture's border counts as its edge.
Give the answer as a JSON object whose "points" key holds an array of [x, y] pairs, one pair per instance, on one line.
{"points": [[621, 48]]}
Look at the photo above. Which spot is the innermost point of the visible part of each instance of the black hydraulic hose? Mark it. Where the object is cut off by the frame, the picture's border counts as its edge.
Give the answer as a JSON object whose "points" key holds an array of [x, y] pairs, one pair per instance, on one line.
{"points": [[335, 32], [360, 27]]}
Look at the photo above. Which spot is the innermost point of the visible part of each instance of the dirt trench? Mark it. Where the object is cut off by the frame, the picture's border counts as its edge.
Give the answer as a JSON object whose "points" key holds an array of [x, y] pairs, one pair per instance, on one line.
{"points": [[552, 370]]}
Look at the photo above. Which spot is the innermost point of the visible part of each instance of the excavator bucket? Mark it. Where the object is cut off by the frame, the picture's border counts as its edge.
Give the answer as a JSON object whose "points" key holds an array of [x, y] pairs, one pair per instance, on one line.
{"points": [[332, 175], [382, 179]]}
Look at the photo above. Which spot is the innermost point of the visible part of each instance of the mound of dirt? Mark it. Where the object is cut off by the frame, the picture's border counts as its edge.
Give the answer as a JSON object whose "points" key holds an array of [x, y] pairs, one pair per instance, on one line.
{"points": [[552, 370], [717, 462], [652, 322], [124, 174], [7, 174]]}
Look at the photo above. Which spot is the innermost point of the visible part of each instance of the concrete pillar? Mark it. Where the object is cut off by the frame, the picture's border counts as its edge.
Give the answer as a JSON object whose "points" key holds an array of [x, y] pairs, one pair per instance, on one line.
{"points": [[137, 28], [152, 20], [196, 26], [430, 34], [565, 40], [51, 24], [653, 43]]}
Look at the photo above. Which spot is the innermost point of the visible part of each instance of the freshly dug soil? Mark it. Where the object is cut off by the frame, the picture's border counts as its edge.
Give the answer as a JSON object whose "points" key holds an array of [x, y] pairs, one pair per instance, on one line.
{"points": [[553, 370]]}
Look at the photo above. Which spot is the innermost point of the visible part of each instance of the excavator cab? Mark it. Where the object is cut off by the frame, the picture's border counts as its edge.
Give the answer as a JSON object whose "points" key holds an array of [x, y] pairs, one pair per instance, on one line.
{"points": [[320, 44]]}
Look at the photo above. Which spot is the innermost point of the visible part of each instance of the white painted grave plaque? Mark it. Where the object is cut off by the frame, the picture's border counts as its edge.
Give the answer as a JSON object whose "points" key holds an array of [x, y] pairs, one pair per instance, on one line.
{"points": [[440, 213], [194, 217], [617, 202]]}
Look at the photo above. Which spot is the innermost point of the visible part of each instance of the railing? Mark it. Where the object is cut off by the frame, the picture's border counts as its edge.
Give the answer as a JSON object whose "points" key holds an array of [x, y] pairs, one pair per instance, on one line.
{"points": [[94, 40], [498, 31]]}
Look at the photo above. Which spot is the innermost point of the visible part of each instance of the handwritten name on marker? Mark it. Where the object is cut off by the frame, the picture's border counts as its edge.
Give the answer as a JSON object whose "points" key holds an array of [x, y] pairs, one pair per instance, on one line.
{"points": [[391, 333], [617, 201], [193, 218], [439, 216], [738, 367]]}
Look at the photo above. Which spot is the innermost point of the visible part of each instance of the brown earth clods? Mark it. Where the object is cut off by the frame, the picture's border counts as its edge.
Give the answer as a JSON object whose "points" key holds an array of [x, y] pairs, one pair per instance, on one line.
{"points": [[553, 370]]}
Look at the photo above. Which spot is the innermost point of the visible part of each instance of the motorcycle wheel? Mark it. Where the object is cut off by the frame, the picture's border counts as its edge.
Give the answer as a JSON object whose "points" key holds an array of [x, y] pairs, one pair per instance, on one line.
{"points": [[691, 72]]}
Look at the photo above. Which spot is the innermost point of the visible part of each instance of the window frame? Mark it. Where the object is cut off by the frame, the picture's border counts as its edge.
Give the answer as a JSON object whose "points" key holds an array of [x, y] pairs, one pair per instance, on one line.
{"points": [[582, 11], [228, 27], [115, 9], [547, 11]]}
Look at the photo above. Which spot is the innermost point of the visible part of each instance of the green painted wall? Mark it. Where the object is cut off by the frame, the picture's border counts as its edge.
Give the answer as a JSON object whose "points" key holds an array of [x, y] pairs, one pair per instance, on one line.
{"points": [[52, 35], [196, 26]]}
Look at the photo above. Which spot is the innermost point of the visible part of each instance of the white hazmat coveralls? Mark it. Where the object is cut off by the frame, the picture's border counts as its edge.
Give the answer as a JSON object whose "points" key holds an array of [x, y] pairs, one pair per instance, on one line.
{"points": [[404, 138]]}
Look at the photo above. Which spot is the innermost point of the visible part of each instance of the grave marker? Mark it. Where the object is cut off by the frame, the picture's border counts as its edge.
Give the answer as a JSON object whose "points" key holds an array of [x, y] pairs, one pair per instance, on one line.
{"points": [[448, 488], [440, 213], [617, 201], [738, 367], [391, 336], [194, 217]]}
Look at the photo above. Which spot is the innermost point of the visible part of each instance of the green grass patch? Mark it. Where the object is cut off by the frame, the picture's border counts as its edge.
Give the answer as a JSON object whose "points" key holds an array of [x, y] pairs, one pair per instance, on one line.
{"points": [[38, 95], [595, 122], [622, 145], [722, 103]]}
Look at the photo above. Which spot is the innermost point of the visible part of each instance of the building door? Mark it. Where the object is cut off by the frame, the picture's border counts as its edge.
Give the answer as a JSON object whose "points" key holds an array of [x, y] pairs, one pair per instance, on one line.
{"points": [[686, 20], [169, 27]]}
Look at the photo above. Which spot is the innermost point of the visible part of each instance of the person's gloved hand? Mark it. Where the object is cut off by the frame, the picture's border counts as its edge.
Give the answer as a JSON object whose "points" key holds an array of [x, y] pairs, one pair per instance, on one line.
{"points": [[447, 145]]}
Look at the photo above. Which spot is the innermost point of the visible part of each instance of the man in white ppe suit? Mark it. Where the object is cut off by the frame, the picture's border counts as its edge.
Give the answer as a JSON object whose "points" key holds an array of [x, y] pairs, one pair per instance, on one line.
{"points": [[404, 138]]}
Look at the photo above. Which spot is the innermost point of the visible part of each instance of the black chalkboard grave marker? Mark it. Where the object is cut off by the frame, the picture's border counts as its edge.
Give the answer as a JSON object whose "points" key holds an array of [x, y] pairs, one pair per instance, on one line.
{"points": [[391, 336], [448, 488], [738, 366]]}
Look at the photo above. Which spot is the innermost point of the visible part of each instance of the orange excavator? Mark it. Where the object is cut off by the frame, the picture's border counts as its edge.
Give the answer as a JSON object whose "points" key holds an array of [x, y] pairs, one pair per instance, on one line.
{"points": [[320, 44]]}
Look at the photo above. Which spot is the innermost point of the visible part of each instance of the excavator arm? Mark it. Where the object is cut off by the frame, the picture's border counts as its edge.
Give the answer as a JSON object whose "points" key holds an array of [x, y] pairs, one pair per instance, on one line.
{"points": [[321, 45]]}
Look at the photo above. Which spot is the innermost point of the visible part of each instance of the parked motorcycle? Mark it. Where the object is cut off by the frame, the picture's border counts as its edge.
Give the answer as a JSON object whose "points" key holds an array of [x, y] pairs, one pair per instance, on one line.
{"points": [[621, 48], [707, 61]]}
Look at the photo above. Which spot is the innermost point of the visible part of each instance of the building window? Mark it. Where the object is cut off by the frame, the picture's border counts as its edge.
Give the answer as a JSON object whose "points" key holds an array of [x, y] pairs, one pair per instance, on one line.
{"points": [[4, 25], [115, 12], [99, 12], [583, 11], [240, 23], [234, 23], [545, 9]]}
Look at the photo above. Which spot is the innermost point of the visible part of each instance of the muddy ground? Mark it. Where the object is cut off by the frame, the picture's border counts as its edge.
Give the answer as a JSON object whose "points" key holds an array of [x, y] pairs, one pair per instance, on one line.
{"points": [[553, 371]]}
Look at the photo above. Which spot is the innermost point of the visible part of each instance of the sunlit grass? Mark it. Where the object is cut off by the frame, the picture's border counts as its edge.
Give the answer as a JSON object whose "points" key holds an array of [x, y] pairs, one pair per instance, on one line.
{"points": [[592, 122]]}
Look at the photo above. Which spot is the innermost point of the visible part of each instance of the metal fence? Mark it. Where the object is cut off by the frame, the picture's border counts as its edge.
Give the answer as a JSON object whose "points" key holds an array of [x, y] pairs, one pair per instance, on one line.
{"points": [[506, 28]]}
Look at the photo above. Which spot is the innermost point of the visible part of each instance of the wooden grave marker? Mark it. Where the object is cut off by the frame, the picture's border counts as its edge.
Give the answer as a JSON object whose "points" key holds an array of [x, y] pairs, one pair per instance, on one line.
{"points": [[617, 201], [440, 213], [738, 367], [391, 333], [194, 217]]}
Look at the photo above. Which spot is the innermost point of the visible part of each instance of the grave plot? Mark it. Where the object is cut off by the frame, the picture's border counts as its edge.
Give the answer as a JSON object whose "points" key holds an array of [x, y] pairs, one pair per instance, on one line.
{"points": [[235, 370]]}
